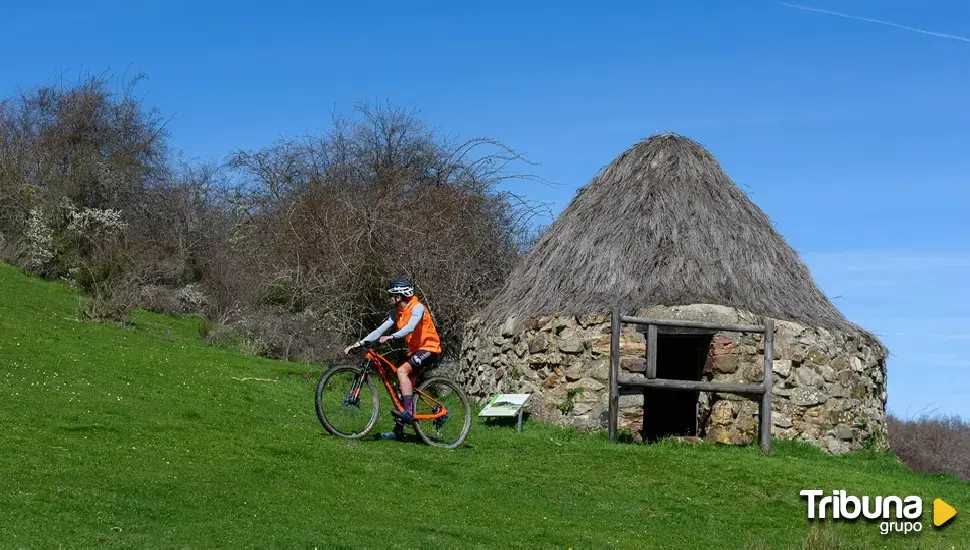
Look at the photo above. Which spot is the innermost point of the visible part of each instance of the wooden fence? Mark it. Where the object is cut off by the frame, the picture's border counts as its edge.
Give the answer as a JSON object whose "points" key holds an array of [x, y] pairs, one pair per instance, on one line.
{"points": [[651, 380]]}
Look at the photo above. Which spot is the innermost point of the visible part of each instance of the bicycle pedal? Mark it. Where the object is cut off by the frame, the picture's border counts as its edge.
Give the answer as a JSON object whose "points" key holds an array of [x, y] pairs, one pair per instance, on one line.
{"points": [[403, 417]]}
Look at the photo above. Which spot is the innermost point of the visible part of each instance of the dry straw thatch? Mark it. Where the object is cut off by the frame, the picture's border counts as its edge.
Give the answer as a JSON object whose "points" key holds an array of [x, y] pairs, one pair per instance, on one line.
{"points": [[663, 225]]}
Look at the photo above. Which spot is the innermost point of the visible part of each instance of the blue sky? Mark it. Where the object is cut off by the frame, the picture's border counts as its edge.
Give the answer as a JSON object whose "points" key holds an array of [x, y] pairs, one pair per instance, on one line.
{"points": [[851, 135]]}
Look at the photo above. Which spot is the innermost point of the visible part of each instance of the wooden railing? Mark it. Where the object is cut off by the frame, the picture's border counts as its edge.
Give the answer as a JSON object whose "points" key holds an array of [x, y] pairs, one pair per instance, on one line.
{"points": [[651, 380]]}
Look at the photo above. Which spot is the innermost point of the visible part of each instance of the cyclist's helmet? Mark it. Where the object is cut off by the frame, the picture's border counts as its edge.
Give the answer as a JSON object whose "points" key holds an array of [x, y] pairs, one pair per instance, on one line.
{"points": [[400, 287]]}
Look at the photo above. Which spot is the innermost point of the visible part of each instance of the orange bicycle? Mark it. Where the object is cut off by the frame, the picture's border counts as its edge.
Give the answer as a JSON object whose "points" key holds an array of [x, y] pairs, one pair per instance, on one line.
{"points": [[442, 415]]}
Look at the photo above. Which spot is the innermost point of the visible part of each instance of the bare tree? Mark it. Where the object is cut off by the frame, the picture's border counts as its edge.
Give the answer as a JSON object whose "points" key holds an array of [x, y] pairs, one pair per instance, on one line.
{"points": [[382, 196]]}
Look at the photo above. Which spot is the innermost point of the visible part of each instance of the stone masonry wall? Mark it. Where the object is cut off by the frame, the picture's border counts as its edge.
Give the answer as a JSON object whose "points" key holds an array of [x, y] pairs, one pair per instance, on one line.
{"points": [[829, 387]]}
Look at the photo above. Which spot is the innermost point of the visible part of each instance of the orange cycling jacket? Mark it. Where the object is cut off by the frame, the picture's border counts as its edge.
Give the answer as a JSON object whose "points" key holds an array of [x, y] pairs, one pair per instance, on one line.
{"points": [[414, 324]]}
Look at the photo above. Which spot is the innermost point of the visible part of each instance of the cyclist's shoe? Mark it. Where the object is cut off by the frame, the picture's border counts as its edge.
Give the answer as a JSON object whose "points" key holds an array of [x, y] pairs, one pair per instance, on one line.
{"points": [[396, 435], [403, 416]]}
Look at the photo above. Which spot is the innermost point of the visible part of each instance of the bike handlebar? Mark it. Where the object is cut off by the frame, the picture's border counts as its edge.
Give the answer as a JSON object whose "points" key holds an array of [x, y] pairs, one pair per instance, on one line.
{"points": [[368, 345]]}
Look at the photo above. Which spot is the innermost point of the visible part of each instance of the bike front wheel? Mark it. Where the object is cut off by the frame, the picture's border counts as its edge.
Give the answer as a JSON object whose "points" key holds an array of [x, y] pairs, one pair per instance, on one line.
{"points": [[347, 402], [438, 394]]}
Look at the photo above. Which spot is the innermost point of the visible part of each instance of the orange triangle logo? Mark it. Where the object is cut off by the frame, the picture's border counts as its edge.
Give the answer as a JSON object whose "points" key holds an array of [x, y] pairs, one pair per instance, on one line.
{"points": [[942, 512]]}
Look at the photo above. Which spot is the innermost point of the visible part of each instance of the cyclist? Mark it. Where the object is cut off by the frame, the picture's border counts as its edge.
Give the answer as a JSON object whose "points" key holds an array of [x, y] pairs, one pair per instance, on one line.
{"points": [[414, 324]]}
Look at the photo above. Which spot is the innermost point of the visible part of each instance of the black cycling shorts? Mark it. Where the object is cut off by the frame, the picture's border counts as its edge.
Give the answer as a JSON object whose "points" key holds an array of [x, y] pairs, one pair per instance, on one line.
{"points": [[422, 358]]}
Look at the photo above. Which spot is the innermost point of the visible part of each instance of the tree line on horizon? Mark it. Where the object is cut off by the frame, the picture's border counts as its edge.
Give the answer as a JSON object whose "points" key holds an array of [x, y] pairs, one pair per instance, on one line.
{"points": [[289, 245]]}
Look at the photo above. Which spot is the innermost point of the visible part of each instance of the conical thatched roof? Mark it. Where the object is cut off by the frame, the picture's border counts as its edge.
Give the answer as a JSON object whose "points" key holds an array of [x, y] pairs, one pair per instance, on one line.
{"points": [[663, 225]]}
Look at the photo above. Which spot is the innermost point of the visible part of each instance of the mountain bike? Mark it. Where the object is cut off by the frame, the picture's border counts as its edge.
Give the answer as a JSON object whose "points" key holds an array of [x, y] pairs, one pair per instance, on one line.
{"points": [[442, 415]]}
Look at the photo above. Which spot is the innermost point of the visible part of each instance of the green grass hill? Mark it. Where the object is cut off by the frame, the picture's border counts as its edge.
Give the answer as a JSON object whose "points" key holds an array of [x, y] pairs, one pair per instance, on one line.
{"points": [[145, 436]]}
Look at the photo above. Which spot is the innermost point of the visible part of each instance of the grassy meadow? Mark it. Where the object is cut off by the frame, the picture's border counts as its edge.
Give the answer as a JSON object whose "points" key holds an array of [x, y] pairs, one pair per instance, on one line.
{"points": [[145, 436]]}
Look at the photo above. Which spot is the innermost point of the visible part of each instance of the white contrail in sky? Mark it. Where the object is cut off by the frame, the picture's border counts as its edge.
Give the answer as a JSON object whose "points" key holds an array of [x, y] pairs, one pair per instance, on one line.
{"points": [[877, 21]]}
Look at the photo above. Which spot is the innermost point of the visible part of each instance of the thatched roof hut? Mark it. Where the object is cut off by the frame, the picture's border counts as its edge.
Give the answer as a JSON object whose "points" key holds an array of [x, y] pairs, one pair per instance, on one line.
{"points": [[662, 231], [663, 225]]}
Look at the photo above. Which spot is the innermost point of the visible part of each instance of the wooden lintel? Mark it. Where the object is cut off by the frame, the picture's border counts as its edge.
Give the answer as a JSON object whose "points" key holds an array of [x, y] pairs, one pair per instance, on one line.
{"points": [[717, 327], [691, 385]]}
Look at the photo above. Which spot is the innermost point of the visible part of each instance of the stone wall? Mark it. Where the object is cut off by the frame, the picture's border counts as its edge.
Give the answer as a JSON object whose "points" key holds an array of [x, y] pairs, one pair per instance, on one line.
{"points": [[829, 386]]}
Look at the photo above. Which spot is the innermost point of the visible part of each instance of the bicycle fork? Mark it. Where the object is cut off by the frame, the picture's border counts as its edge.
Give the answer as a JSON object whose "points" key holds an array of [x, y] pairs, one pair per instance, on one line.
{"points": [[353, 395]]}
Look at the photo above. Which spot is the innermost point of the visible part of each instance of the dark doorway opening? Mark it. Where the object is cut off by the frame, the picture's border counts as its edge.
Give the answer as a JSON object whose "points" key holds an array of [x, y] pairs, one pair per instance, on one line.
{"points": [[674, 412]]}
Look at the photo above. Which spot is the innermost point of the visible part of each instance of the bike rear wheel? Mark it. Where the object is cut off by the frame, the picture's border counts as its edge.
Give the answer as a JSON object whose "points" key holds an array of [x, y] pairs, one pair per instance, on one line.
{"points": [[450, 431], [343, 398]]}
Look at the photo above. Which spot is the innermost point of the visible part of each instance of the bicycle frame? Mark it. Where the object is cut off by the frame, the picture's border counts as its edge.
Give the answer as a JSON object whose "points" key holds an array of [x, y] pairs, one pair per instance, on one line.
{"points": [[382, 365]]}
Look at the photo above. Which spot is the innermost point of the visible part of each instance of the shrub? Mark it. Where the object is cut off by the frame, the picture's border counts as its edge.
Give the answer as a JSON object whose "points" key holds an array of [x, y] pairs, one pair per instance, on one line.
{"points": [[160, 299], [285, 243], [932, 444], [187, 300], [280, 334], [330, 219], [110, 301], [8, 250], [37, 248]]}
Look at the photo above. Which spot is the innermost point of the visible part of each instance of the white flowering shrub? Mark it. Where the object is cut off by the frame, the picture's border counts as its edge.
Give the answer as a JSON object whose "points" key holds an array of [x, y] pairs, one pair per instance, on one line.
{"points": [[96, 260], [92, 232], [94, 223], [192, 297], [38, 244]]}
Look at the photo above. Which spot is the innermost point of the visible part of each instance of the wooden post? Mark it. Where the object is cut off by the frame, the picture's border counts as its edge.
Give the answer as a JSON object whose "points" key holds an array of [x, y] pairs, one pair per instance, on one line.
{"points": [[651, 351], [614, 374], [764, 415]]}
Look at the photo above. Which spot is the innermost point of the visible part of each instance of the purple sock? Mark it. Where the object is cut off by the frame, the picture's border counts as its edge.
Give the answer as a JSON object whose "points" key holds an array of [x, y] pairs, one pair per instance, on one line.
{"points": [[409, 404]]}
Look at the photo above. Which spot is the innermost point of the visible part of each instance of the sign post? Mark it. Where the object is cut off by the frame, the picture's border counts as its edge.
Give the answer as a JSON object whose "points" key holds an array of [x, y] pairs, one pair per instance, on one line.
{"points": [[507, 404]]}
